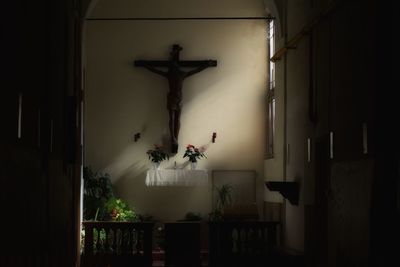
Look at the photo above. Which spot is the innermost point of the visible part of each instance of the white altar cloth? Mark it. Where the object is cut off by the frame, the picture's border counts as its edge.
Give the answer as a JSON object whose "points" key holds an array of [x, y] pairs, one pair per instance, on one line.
{"points": [[176, 177]]}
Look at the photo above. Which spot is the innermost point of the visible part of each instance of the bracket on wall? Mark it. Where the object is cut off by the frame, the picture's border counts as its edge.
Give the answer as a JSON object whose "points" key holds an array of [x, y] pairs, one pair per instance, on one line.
{"points": [[289, 190], [136, 137]]}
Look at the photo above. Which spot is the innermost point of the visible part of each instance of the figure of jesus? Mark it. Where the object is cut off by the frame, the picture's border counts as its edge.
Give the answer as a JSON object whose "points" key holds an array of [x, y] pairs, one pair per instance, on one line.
{"points": [[175, 76]]}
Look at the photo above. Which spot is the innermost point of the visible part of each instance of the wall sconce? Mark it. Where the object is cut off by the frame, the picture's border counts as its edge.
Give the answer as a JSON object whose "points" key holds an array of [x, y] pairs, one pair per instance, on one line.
{"points": [[136, 137], [214, 135]]}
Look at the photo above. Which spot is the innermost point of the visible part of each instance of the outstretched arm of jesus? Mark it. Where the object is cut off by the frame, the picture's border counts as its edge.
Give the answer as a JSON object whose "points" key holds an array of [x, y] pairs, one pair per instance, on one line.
{"points": [[206, 64], [162, 73]]}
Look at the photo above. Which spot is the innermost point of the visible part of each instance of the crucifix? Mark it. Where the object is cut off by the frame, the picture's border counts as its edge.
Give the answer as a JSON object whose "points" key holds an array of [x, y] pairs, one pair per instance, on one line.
{"points": [[175, 76]]}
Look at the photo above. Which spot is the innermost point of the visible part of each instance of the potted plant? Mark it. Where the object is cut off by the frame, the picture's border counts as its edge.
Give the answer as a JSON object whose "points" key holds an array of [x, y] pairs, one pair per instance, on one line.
{"points": [[224, 196], [100, 203], [224, 199], [157, 155], [192, 217], [194, 153], [99, 200], [97, 191]]}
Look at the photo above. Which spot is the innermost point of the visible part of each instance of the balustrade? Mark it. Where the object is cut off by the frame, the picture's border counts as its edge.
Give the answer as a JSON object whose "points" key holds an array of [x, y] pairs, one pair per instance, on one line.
{"points": [[117, 244], [242, 243]]}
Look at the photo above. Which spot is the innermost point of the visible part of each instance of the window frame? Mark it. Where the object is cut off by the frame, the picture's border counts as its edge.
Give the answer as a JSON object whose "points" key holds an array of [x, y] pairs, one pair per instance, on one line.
{"points": [[271, 99]]}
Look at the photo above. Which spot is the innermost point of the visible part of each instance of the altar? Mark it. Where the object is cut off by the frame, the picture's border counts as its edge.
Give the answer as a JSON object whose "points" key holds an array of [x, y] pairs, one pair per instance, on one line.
{"points": [[176, 177]]}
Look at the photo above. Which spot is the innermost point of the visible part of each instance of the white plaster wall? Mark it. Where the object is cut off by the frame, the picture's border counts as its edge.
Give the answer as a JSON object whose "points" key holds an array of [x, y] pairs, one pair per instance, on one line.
{"points": [[296, 137], [178, 8], [122, 100], [297, 122]]}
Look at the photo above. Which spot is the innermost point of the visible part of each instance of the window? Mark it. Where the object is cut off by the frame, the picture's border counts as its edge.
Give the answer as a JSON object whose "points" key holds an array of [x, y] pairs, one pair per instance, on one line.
{"points": [[271, 91]]}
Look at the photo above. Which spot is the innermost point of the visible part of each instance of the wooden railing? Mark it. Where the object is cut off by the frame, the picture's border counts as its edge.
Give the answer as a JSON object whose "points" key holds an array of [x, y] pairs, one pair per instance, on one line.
{"points": [[242, 243], [117, 244]]}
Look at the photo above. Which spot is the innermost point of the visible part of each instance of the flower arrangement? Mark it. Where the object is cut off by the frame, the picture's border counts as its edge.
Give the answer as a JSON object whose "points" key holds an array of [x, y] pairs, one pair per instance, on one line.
{"points": [[157, 154], [194, 153]]}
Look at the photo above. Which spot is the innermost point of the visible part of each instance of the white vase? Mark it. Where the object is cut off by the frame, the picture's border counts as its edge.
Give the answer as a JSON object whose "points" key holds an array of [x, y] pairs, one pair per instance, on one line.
{"points": [[156, 165], [193, 165]]}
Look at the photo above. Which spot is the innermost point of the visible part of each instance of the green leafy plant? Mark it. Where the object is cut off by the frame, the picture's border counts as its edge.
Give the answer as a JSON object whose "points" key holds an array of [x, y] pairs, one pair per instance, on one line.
{"points": [[119, 210], [224, 196], [99, 201], [191, 216], [215, 215], [157, 154], [194, 153], [97, 191], [224, 199]]}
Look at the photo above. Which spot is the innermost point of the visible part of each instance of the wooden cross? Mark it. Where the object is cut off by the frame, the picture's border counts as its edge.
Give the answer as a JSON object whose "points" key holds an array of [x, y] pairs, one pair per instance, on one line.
{"points": [[175, 76]]}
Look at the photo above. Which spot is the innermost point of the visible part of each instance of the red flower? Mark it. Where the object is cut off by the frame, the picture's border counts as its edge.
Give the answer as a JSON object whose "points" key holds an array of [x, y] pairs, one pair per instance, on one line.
{"points": [[193, 153]]}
